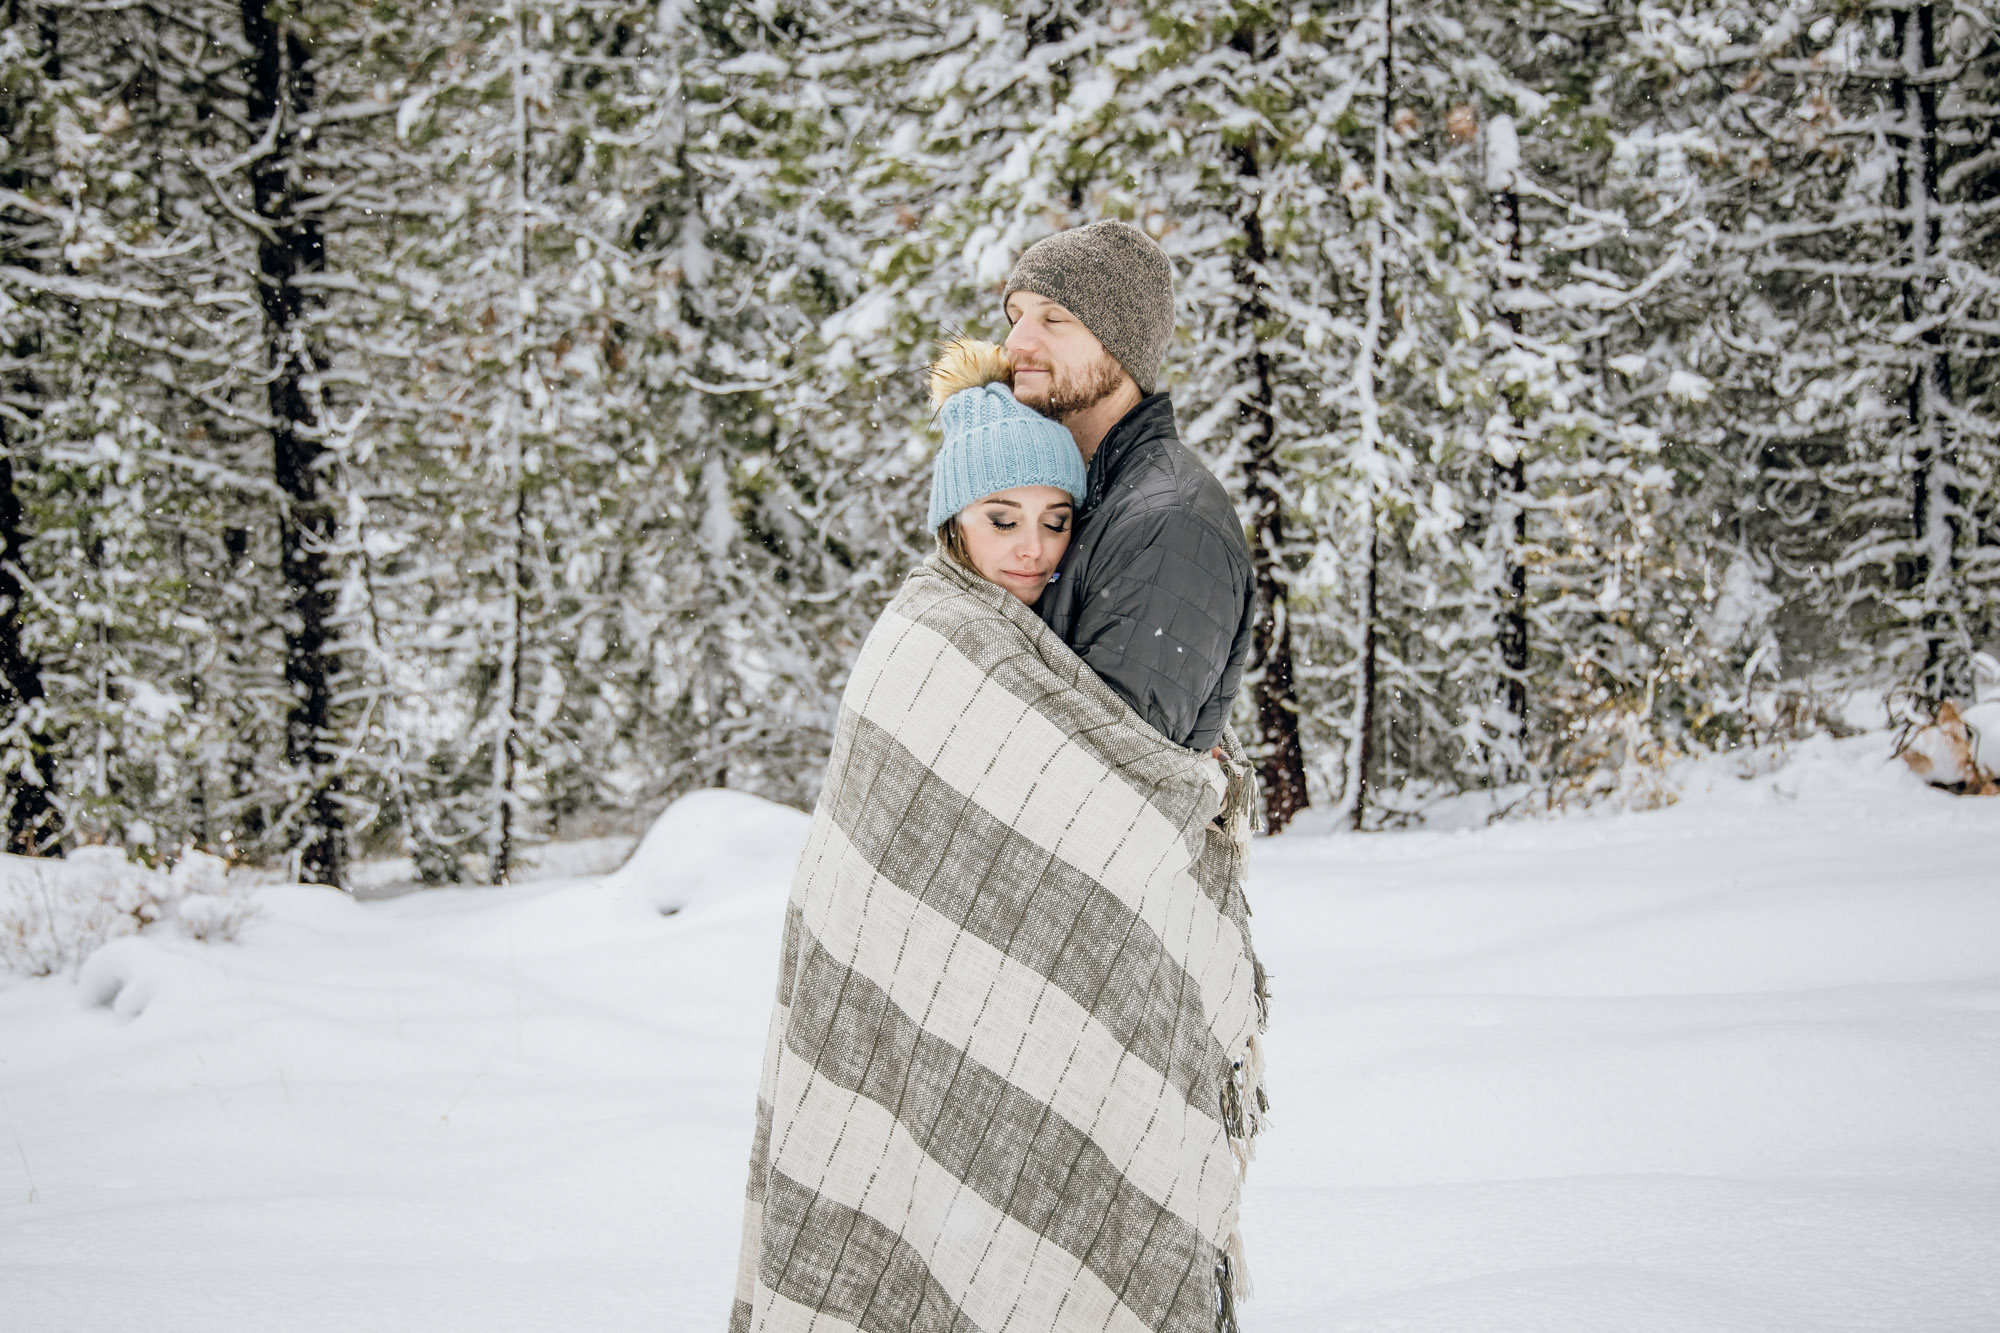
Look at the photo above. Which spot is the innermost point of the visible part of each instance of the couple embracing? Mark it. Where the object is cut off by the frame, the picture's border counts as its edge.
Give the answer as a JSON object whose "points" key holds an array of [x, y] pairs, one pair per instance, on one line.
{"points": [[1013, 1079]]}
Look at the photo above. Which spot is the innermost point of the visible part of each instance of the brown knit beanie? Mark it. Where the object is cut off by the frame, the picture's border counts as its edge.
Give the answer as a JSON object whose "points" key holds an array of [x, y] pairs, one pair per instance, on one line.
{"points": [[1116, 280]]}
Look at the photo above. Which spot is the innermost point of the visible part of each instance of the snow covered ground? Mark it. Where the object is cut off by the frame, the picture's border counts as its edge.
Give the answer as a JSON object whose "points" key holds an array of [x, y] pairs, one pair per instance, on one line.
{"points": [[1733, 1065]]}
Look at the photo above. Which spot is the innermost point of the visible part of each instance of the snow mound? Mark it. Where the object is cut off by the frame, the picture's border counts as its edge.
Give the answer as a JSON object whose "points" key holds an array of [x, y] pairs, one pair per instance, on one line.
{"points": [[54, 913], [126, 975], [709, 845], [1861, 778], [715, 854], [1984, 719]]}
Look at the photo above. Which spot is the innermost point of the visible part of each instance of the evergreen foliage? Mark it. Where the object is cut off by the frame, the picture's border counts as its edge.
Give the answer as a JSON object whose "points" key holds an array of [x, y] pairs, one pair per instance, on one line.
{"points": [[433, 429]]}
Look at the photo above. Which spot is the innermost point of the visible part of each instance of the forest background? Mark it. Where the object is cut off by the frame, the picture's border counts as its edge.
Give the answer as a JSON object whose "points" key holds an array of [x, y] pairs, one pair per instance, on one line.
{"points": [[432, 429]]}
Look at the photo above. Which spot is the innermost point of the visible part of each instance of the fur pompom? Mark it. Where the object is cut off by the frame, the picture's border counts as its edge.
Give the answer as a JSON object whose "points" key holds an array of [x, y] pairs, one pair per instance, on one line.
{"points": [[967, 364]]}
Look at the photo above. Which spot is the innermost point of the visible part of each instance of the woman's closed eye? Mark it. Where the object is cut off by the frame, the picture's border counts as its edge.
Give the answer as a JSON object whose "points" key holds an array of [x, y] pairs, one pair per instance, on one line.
{"points": [[1056, 526]]}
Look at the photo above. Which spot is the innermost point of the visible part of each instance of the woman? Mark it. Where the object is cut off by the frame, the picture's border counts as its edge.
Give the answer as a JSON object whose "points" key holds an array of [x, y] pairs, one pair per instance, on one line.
{"points": [[1012, 1076]]}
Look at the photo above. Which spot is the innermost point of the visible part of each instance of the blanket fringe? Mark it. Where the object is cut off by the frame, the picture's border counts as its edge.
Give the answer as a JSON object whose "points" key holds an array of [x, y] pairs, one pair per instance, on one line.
{"points": [[1239, 1267], [1247, 1107], [1232, 1278], [1245, 1104], [1240, 816], [1255, 1104], [1242, 812]]}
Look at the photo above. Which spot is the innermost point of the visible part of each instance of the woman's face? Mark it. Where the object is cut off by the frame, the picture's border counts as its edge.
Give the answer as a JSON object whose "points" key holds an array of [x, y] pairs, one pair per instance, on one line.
{"points": [[1015, 538]]}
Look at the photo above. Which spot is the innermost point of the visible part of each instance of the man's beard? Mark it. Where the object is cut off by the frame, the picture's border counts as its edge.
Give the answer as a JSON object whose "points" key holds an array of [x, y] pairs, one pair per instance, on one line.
{"points": [[1077, 392]]}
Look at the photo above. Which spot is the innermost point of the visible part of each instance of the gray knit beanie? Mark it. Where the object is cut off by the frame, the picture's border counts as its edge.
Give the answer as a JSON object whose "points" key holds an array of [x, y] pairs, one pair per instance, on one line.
{"points": [[1114, 278]]}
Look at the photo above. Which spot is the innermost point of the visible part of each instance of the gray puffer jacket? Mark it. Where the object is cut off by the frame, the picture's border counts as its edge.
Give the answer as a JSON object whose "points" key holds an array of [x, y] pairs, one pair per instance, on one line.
{"points": [[1155, 591]]}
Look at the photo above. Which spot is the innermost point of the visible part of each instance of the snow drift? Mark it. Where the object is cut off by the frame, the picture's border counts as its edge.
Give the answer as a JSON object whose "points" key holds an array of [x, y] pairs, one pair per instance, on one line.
{"points": [[1724, 1066]]}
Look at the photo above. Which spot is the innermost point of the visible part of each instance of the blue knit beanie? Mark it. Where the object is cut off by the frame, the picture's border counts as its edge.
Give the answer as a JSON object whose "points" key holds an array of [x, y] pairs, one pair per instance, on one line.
{"points": [[992, 443]]}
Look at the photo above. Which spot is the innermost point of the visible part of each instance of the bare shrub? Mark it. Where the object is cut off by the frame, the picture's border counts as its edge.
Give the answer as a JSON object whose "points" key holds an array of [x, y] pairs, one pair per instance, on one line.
{"points": [[55, 913]]}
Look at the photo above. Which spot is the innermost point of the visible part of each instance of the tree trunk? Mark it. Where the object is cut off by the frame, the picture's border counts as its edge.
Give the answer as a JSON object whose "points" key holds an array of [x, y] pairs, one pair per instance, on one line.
{"points": [[1364, 713], [51, 35], [1510, 482], [1368, 369], [280, 88], [1934, 493], [1280, 760], [33, 822], [506, 745]]}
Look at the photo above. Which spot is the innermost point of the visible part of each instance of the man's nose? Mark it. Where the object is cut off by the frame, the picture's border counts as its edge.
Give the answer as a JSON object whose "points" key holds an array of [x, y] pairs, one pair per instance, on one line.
{"points": [[1021, 338]]}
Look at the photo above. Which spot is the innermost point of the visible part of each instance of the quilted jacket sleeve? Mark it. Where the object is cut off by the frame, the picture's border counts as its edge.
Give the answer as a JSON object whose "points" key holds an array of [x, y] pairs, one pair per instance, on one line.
{"points": [[1166, 623]]}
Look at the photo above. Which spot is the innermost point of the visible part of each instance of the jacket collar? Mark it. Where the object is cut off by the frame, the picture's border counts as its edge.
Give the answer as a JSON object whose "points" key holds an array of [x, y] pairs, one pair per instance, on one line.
{"points": [[1150, 419]]}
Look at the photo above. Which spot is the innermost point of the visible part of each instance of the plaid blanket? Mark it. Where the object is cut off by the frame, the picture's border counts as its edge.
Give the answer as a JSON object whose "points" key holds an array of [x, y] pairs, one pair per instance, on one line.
{"points": [[1012, 1076]]}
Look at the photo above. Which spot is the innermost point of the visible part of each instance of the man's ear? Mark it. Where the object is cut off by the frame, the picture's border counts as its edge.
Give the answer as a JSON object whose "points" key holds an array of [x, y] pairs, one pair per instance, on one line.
{"points": [[1124, 375]]}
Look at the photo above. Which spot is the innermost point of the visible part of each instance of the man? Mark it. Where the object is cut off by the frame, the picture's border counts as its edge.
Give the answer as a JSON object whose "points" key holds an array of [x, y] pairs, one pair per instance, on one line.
{"points": [[1155, 592]]}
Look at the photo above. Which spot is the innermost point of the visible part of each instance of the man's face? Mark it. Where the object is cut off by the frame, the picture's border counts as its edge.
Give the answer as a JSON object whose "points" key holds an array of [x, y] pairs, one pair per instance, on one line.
{"points": [[1059, 366]]}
